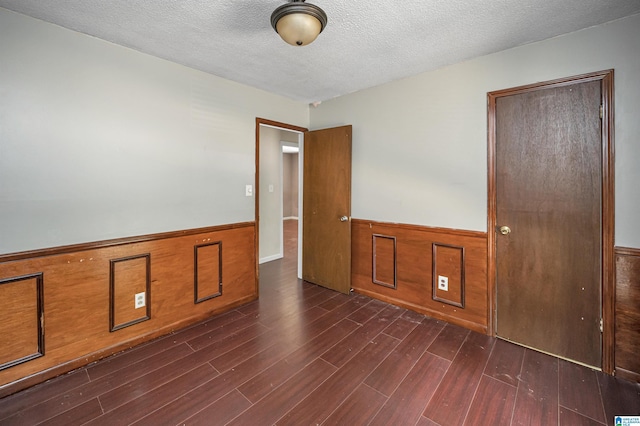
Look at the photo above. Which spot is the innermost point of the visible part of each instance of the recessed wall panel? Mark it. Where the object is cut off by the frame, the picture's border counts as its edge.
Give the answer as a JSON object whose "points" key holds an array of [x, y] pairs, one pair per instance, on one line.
{"points": [[208, 271], [130, 291], [21, 315], [384, 260], [448, 265]]}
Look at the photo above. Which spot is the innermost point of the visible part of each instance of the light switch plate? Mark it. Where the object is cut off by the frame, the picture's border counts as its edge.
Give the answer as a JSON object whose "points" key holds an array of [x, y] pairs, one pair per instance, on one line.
{"points": [[248, 191]]}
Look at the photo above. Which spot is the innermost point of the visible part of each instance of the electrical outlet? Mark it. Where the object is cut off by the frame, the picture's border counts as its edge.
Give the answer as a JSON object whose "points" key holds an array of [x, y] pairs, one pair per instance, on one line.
{"points": [[443, 283], [139, 300]]}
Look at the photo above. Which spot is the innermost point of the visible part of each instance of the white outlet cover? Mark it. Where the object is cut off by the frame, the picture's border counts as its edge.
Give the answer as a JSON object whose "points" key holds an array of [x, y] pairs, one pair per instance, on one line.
{"points": [[443, 283], [140, 300]]}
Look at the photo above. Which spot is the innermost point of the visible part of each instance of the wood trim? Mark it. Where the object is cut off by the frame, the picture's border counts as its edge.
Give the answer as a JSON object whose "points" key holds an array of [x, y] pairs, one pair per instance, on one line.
{"points": [[411, 227], [608, 224], [627, 251], [256, 183], [459, 304], [559, 82], [280, 125], [39, 317], [375, 279], [491, 213], [608, 202], [197, 300], [628, 375], [474, 326], [72, 248], [112, 292]]}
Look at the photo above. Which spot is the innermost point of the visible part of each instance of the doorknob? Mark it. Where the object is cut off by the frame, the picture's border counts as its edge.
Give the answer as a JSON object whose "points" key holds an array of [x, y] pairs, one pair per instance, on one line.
{"points": [[504, 230], [344, 219]]}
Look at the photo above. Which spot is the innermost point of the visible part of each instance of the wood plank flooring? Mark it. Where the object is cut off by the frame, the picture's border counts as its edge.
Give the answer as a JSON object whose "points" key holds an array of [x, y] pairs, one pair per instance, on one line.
{"points": [[304, 355]]}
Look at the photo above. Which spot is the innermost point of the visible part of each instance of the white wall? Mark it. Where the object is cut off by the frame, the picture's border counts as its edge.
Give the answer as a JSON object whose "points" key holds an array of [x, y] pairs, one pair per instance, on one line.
{"points": [[98, 141], [290, 188], [420, 144], [290, 185]]}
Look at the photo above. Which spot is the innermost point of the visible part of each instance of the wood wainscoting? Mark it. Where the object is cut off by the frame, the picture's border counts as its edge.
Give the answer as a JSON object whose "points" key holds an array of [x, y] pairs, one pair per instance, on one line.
{"points": [[627, 314], [65, 307], [400, 264]]}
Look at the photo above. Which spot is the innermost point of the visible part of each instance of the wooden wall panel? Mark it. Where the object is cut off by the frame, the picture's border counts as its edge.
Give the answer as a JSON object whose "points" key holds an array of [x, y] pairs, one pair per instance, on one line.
{"points": [[627, 314], [415, 270], [384, 260], [208, 271], [76, 294], [129, 280], [20, 320], [448, 261]]}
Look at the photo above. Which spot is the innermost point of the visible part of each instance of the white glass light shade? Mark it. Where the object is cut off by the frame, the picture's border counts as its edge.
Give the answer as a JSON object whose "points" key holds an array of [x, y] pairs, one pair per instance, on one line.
{"points": [[298, 23], [298, 29]]}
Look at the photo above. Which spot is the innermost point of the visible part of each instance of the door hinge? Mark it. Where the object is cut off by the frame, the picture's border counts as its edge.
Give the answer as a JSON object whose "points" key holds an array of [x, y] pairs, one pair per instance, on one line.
{"points": [[601, 111], [601, 326]]}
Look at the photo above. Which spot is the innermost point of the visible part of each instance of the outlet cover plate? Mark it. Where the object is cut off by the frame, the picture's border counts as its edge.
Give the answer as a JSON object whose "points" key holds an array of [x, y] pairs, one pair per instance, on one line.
{"points": [[443, 283], [140, 300]]}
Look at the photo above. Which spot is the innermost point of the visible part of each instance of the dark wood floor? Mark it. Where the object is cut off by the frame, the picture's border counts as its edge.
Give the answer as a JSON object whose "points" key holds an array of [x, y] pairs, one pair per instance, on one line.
{"points": [[304, 355]]}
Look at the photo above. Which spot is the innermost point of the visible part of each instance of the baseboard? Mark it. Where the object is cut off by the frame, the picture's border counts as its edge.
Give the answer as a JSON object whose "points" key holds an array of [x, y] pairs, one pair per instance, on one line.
{"points": [[270, 258], [632, 376], [433, 313]]}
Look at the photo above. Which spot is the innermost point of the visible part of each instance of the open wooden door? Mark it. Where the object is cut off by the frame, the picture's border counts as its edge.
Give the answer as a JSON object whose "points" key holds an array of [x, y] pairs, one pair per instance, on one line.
{"points": [[326, 226]]}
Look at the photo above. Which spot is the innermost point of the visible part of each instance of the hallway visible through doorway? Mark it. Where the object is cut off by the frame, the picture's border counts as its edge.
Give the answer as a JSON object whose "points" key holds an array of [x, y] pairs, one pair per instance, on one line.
{"points": [[290, 236]]}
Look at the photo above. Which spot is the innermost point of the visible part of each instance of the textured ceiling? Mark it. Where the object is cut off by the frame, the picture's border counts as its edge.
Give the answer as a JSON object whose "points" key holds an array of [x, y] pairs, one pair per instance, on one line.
{"points": [[365, 43]]}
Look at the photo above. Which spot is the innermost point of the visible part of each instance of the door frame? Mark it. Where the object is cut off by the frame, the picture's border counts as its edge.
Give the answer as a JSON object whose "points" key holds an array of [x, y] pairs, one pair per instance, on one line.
{"points": [[608, 206], [256, 186]]}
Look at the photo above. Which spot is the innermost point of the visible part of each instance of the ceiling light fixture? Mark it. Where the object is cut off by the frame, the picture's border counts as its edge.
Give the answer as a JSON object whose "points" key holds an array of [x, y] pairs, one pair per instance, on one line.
{"points": [[298, 23]]}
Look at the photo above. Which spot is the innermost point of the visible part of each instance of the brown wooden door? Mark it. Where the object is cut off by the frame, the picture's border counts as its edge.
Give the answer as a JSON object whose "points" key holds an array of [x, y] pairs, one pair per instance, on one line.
{"points": [[549, 194], [326, 217]]}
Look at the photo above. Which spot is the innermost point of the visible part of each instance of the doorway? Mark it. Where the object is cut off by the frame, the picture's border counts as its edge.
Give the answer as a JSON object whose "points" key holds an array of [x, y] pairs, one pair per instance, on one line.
{"points": [[551, 217], [272, 138], [325, 188], [291, 199]]}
